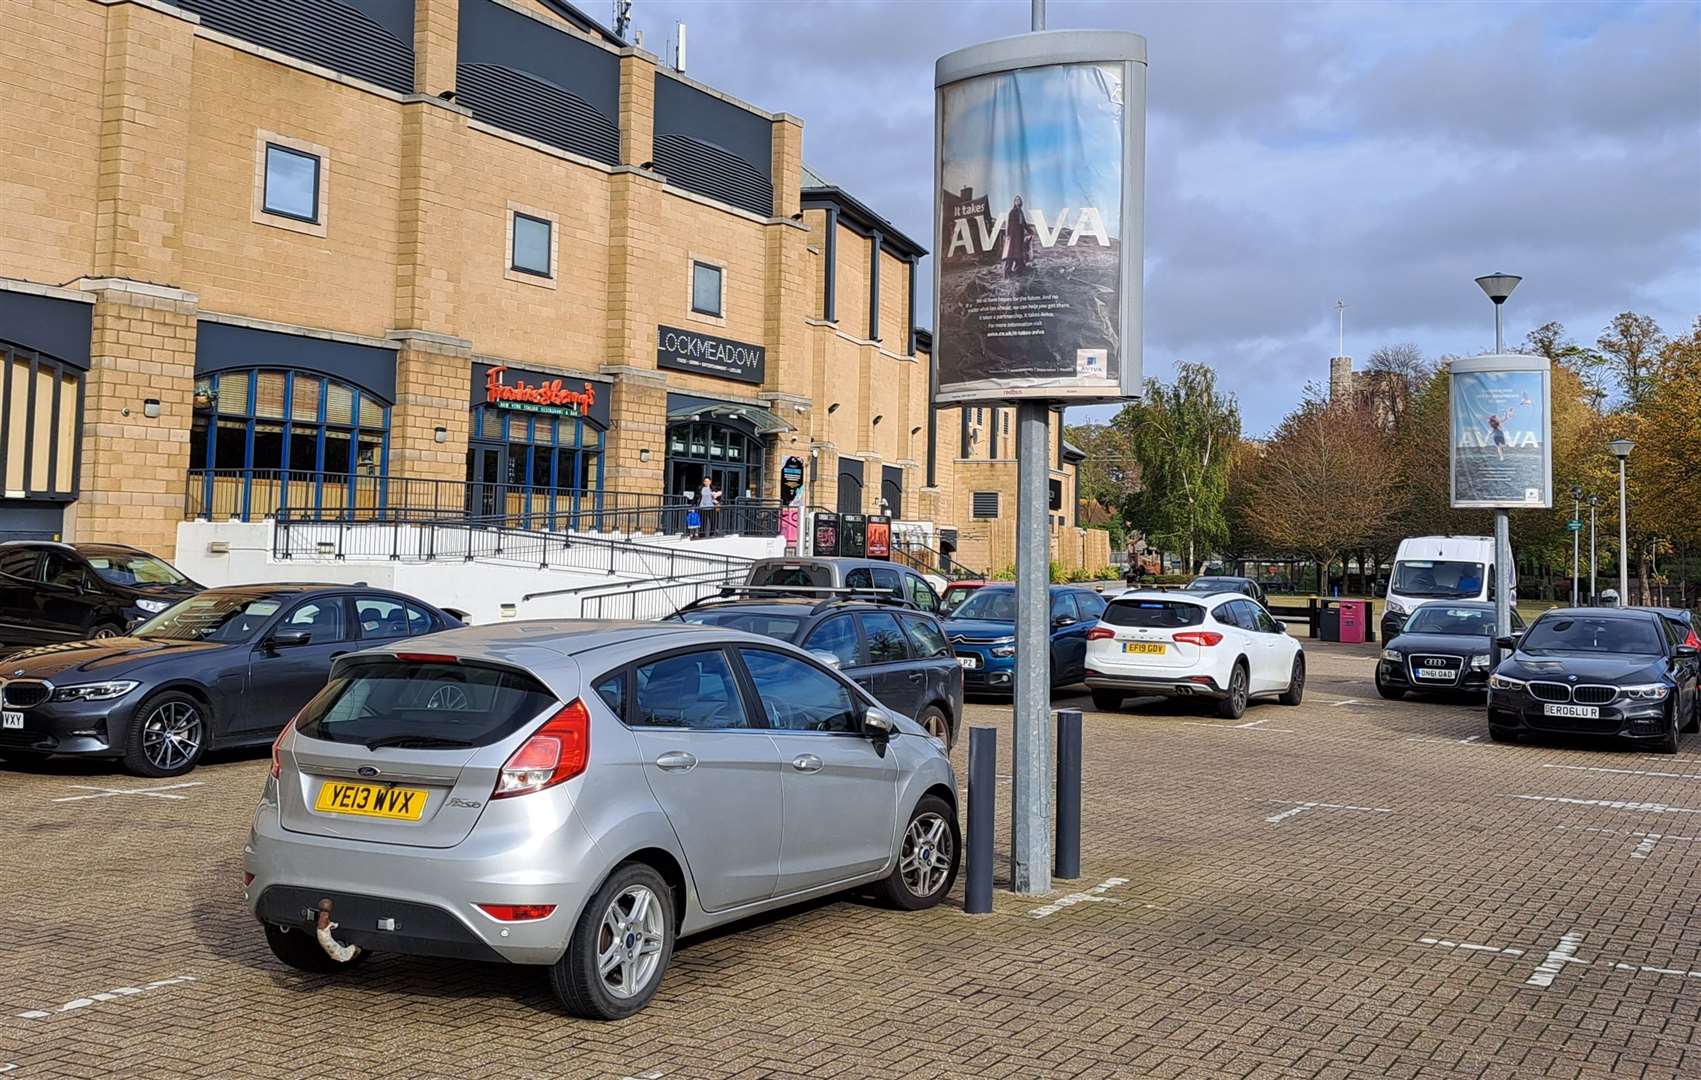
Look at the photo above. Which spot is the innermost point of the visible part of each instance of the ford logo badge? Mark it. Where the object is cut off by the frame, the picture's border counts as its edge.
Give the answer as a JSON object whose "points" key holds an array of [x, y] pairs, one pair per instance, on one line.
{"points": [[367, 770]]}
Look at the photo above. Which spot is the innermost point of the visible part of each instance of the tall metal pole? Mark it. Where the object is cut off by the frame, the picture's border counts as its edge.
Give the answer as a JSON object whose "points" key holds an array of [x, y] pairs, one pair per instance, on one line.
{"points": [[1502, 538], [1576, 539], [1623, 540], [1030, 847], [1030, 812], [1593, 592]]}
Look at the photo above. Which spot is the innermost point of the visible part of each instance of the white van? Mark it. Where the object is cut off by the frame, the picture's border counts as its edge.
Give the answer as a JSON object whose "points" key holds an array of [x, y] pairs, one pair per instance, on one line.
{"points": [[1438, 568]]}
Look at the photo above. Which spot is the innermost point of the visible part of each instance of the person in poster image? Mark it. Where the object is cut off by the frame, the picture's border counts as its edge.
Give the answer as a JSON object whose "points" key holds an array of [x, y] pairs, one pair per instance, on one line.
{"points": [[1498, 434], [1015, 240]]}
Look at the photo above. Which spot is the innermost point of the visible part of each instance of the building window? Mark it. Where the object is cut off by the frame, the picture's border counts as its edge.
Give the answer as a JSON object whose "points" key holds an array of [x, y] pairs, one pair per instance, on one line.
{"points": [[985, 504], [537, 470], [266, 439], [1056, 495], [531, 240], [40, 414], [705, 289], [292, 183]]}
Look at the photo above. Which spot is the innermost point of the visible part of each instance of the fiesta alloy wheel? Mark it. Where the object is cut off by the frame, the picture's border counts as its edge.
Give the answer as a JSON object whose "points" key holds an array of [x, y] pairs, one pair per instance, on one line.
{"points": [[167, 735], [929, 854], [619, 951]]}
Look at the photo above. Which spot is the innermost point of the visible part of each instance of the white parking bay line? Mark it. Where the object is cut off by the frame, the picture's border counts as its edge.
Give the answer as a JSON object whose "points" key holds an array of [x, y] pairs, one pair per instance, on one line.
{"points": [[1253, 726], [107, 793], [1560, 955], [109, 995], [1646, 970], [1610, 804], [1300, 808], [1467, 947], [1628, 772], [1094, 895]]}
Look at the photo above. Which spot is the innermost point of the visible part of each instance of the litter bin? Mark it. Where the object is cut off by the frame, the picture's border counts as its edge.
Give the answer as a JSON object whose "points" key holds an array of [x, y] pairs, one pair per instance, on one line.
{"points": [[1354, 618], [1329, 624]]}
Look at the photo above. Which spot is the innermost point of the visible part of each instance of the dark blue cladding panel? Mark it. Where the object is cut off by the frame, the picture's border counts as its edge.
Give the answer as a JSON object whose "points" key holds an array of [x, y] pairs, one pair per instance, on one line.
{"points": [[366, 39], [529, 78], [58, 328], [712, 147], [223, 347]]}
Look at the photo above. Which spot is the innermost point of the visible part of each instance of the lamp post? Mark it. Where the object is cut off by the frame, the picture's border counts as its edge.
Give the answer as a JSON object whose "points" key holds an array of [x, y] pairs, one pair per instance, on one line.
{"points": [[1576, 537], [1621, 448], [1498, 287], [1594, 501]]}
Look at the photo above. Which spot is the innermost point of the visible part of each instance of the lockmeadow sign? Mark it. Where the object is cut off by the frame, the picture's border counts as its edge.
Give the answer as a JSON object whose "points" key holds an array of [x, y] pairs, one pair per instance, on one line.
{"points": [[703, 354]]}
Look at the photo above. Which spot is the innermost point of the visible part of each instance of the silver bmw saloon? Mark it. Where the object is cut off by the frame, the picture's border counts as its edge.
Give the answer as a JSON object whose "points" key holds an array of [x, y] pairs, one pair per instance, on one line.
{"points": [[582, 794]]}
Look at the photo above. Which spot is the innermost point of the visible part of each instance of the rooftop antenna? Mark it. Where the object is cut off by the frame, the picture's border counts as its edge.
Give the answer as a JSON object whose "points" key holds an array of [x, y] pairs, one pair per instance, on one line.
{"points": [[622, 18], [1341, 313], [679, 49]]}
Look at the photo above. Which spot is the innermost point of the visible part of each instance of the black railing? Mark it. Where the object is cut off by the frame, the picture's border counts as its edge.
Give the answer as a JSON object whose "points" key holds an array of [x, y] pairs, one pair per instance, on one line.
{"points": [[929, 560], [295, 496], [470, 540], [650, 601]]}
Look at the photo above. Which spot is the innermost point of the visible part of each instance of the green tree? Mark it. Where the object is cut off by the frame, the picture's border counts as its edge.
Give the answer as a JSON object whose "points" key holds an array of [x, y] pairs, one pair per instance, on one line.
{"points": [[1183, 435], [1590, 367], [1631, 344]]}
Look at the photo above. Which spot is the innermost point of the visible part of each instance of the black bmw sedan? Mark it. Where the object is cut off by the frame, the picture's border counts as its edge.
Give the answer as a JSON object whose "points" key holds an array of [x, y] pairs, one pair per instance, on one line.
{"points": [[1444, 646], [227, 667], [1605, 671]]}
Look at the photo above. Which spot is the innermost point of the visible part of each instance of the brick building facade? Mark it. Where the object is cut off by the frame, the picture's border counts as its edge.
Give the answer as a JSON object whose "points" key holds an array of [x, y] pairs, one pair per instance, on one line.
{"points": [[462, 247]]}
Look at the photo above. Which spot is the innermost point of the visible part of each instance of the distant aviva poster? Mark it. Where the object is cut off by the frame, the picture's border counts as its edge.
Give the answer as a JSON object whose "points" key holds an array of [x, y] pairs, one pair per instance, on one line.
{"points": [[1030, 232], [1500, 438]]}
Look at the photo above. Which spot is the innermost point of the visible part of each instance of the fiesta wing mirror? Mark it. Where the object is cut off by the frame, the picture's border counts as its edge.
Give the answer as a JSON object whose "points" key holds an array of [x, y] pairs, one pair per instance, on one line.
{"points": [[877, 725], [828, 658]]}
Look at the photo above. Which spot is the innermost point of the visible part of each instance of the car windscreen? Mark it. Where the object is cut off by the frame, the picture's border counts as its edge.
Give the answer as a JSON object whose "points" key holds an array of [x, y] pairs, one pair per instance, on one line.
{"points": [[993, 605], [1438, 579], [1215, 585], [783, 627], [432, 704], [954, 596], [1592, 634], [134, 568], [792, 575], [1153, 614], [1441, 619], [212, 616]]}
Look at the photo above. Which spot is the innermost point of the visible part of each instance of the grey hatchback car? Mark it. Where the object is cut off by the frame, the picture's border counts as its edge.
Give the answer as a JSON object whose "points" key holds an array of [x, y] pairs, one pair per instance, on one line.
{"points": [[581, 795]]}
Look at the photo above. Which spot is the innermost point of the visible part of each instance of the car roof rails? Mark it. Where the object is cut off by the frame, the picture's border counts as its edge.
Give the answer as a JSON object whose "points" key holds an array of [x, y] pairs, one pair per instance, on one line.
{"points": [[828, 594]]}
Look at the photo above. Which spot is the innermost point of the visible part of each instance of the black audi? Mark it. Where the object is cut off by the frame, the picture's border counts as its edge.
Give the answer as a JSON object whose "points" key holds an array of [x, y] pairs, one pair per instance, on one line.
{"points": [[226, 667], [1605, 671], [1443, 647]]}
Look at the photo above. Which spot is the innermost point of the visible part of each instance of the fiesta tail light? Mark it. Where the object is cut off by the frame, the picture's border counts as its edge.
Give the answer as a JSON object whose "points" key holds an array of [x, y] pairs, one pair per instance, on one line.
{"points": [[1100, 633], [277, 743], [1205, 638], [517, 912], [554, 754]]}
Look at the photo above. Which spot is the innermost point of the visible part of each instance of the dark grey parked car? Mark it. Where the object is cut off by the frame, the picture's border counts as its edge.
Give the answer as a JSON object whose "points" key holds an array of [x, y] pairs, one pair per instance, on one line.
{"points": [[895, 651], [835, 573]]}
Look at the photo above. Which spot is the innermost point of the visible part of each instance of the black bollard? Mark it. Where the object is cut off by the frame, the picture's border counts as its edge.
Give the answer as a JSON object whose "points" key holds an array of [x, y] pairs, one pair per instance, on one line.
{"points": [[983, 805], [1068, 794]]}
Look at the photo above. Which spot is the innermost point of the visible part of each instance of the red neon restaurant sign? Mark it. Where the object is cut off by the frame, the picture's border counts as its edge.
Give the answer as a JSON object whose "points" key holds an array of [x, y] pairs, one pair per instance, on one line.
{"points": [[551, 396]]}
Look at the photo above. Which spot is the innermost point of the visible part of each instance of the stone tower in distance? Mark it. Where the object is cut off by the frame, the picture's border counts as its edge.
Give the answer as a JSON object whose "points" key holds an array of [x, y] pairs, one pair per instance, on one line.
{"points": [[1340, 378]]}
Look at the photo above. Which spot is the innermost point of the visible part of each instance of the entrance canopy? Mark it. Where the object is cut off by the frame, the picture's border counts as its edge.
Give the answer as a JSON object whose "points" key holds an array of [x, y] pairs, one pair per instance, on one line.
{"points": [[761, 421]]}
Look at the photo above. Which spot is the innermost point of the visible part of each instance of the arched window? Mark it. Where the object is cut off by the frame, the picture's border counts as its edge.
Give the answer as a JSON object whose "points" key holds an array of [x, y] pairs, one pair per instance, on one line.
{"points": [[265, 438]]}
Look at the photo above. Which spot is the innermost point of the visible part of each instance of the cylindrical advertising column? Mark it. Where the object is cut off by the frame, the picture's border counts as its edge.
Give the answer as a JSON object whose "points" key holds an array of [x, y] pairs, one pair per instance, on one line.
{"points": [[1038, 258]]}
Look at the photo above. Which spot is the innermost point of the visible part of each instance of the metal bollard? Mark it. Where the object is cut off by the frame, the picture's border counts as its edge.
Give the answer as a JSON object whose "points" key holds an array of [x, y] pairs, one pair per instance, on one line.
{"points": [[1068, 794], [983, 805]]}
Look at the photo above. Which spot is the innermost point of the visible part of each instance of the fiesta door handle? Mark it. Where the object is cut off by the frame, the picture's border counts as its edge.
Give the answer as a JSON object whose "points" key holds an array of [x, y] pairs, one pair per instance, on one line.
{"points": [[806, 763], [677, 761]]}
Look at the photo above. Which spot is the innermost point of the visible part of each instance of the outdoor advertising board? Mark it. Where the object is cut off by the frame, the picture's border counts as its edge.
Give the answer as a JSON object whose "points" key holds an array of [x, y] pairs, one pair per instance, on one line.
{"points": [[1501, 438], [1039, 176], [879, 537]]}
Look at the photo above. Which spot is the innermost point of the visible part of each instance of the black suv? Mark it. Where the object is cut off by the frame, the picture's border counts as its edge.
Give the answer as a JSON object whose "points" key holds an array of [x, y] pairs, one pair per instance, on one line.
{"points": [[894, 650], [71, 592]]}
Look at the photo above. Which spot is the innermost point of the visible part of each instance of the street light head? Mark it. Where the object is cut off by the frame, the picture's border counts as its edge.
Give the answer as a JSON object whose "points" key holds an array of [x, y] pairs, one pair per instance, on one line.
{"points": [[1622, 447], [1594, 500], [1499, 286], [1576, 492]]}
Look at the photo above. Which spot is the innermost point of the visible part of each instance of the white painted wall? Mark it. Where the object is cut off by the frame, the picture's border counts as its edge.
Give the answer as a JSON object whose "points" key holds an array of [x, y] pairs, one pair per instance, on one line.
{"points": [[481, 587]]}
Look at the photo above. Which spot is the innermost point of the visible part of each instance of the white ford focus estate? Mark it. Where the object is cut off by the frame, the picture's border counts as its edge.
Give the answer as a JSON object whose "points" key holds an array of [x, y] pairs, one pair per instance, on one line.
{"points": [[1223, 647]]}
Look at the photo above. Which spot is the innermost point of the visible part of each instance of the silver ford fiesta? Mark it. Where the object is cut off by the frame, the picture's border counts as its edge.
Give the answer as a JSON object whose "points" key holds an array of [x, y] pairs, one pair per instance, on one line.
{"points": [[580, 795]]}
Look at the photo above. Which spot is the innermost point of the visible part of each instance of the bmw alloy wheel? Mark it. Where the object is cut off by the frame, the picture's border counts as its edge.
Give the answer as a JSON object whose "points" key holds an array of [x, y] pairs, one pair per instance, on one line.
{"points": [[927, 856], [629, 944], [171, 735]]}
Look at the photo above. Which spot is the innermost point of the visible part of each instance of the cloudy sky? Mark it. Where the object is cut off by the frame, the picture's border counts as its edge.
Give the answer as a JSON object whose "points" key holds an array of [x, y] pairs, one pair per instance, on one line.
{"points": [[1384, 153]]}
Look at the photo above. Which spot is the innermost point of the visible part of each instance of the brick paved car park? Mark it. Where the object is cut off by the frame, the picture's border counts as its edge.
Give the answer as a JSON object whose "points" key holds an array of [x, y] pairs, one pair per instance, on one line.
{"points": [[1348, 888]]}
